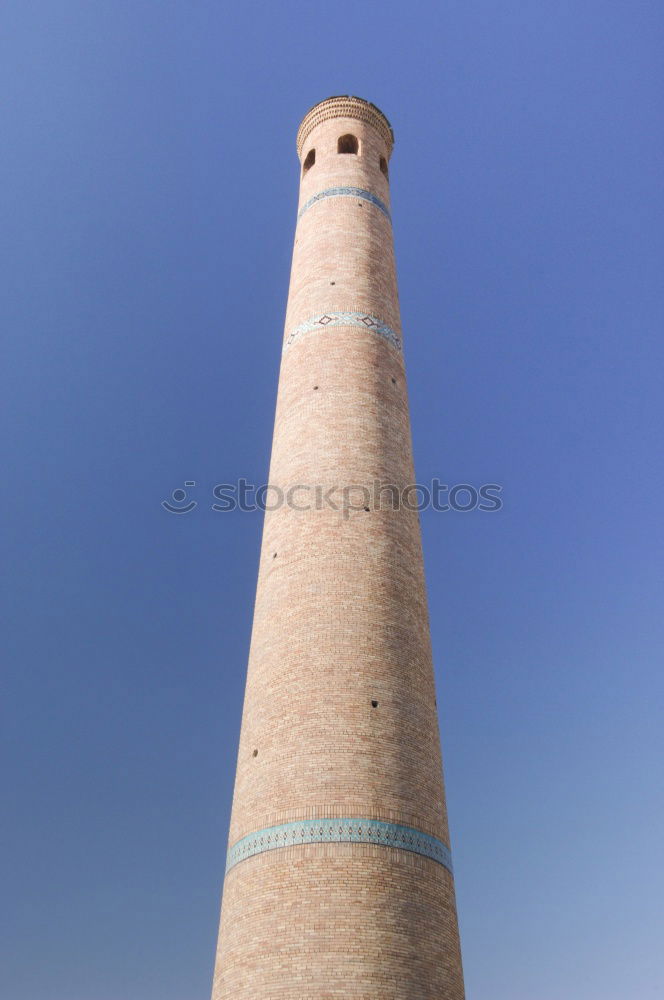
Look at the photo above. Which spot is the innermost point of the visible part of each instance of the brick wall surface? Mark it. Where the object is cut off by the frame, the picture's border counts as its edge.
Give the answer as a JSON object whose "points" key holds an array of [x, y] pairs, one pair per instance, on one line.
{"points": [[340, 622]]}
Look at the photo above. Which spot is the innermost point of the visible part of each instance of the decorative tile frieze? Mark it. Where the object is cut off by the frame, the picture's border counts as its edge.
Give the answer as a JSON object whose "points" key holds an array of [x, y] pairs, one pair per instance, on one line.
{"points": [[340, 831], [346, 192], [363, 321]]}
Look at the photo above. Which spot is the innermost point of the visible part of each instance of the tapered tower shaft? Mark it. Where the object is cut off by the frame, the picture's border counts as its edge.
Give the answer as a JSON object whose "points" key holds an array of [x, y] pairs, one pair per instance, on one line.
{"points": [[339, 878]]}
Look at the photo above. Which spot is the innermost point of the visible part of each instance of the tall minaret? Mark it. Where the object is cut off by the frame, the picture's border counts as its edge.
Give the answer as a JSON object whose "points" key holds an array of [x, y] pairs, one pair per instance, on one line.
{"points": [[339, 878]]}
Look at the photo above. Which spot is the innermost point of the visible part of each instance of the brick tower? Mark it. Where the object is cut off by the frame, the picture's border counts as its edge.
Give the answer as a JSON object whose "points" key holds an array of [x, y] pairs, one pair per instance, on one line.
{"points": [[339, 880]]}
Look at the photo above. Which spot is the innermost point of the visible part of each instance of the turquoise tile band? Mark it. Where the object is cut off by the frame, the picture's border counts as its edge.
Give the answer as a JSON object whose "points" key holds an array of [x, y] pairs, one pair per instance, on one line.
{"points": [[365, 321], [340, 831], [346, 192]]}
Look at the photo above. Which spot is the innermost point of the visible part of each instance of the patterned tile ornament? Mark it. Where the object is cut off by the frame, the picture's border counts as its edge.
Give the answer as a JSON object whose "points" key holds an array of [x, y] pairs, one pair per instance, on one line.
{"points": [[330, 319], [340, 831], [346, 192]]}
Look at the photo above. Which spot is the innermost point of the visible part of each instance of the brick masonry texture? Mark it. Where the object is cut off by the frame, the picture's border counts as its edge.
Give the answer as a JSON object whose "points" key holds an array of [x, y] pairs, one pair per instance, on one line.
{"points": [[340, 623]]}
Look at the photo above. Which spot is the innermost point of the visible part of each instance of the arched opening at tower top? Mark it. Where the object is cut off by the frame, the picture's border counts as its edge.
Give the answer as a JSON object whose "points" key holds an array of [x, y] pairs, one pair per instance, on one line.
{"points": [[309, 160], [383, 166], [347, 144]]}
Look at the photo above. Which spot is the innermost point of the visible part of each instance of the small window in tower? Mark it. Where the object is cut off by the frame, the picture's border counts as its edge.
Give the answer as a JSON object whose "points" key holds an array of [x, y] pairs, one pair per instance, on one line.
{"points": [[309, 160], [347, 144], [383, 166]]}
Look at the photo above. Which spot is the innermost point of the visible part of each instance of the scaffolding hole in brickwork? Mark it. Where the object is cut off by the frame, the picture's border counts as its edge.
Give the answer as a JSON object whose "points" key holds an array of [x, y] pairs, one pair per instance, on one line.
{"points": [[374, 704]]}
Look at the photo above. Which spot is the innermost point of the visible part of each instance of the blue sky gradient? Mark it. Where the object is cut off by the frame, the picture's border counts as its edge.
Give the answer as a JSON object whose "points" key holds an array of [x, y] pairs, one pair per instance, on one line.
{"points": [[149, 184]]}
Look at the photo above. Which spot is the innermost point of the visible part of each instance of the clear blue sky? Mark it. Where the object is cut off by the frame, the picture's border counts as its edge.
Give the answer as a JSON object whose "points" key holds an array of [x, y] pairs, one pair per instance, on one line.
{"points": [[149, 186]]}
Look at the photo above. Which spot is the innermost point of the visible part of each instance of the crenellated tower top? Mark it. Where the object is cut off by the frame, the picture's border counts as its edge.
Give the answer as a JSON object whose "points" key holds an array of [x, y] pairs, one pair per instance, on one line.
{"points": [[345, 107]]}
